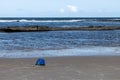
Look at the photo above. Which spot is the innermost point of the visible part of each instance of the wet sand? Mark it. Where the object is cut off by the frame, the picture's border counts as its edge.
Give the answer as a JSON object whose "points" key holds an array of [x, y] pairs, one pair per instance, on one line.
{"points": [[61, 68]]}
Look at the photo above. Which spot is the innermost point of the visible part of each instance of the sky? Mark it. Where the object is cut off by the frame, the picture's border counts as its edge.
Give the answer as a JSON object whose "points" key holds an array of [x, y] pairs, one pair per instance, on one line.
{"points": [[59, 8]]}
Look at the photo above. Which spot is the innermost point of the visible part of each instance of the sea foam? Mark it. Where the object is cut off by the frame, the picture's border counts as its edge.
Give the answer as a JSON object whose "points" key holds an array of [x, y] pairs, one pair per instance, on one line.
{"points": [[25, 20], [85, 51]]}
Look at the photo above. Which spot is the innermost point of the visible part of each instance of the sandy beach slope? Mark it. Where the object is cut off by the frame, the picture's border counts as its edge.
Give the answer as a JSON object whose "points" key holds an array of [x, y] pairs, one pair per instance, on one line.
{"points": [[61, 68]]}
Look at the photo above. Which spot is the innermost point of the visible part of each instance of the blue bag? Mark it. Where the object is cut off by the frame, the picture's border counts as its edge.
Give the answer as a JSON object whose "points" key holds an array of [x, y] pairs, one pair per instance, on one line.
{"points": [[40, 62]]}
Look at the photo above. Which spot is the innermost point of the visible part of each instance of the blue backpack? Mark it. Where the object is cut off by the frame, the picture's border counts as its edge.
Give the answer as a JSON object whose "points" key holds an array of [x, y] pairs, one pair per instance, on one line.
{"points": [[40, 62]]}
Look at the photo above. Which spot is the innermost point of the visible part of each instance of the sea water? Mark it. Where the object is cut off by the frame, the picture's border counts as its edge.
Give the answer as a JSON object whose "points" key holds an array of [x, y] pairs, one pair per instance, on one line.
{"points": [[59, 43]]}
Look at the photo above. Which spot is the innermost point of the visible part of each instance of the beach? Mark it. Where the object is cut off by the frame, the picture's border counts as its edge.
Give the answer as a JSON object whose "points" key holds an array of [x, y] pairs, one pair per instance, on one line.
{"points": [[73, 48], [61, 68]]}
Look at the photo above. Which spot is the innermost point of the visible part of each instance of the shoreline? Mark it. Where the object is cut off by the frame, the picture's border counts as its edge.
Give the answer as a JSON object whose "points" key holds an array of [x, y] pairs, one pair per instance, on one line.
{"points": [[83, 51], [61, 68]]}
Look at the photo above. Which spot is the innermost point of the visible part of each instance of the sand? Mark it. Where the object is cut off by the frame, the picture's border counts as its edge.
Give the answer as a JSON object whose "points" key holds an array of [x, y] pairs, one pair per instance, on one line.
{"points": [[61, 68]]}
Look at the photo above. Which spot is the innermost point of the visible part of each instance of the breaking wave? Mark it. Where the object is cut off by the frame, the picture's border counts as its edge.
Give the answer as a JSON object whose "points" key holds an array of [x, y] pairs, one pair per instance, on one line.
{"points": [[25, 20]]}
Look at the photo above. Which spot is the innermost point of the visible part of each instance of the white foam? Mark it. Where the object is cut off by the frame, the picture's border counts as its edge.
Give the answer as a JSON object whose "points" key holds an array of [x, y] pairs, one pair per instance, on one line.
{"points": [[85, 51], [8, 20], [24, 20], [115, 19], [49, 20]]}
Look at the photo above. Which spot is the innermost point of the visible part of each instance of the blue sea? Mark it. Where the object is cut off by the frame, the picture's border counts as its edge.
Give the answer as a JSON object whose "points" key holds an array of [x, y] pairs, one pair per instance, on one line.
{"points": [[59, 43]]}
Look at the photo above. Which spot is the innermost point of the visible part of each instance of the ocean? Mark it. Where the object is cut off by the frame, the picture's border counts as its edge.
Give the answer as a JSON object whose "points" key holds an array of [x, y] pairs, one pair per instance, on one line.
{"points": [[60, 22], [59, 43]]}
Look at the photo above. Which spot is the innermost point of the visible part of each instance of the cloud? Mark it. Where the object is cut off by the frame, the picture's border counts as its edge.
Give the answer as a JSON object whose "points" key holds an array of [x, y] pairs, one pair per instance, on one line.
{"points": [[62, 10], [70, 8], [20, 9]]}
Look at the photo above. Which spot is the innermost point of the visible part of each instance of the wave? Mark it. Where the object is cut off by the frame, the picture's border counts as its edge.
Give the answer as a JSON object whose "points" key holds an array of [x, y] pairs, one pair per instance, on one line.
{"points": [[8, 20], [57, 19], [25, 20], [83, 51], [113, 20]]}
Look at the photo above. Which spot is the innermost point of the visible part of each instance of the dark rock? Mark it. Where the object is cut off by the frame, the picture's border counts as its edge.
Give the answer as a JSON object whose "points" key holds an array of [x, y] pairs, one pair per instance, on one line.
{"points": [[46, 28]]}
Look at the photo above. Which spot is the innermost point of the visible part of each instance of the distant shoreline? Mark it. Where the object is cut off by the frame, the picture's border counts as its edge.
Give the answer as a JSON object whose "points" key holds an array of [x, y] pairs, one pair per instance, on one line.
{"points": [[46, 28]]}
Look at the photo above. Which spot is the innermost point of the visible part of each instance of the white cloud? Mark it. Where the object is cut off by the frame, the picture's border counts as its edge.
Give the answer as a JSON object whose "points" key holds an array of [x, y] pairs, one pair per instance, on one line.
{"points": [[62, 10], [72, 8]]}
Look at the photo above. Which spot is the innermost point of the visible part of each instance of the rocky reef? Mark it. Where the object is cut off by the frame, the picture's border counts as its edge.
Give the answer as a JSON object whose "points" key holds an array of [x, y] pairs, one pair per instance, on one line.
{"points": [[25, 29], [46, 28]]}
